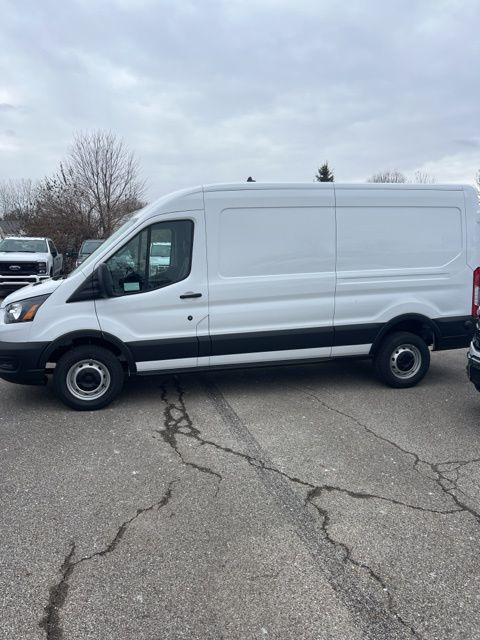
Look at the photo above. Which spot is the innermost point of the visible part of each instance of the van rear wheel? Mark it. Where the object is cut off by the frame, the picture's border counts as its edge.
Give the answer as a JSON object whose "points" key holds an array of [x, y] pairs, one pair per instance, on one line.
{"points": [[402, 360], [88, 378]]}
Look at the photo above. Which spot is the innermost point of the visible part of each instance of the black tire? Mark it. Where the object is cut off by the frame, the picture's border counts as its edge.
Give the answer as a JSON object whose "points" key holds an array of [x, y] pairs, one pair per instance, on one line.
{"points": [[85, 370], [402, 360]]}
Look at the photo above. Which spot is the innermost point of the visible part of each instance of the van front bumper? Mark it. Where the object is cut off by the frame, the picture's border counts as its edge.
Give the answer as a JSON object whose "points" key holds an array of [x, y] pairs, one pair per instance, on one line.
{"points": [[19, 362]]}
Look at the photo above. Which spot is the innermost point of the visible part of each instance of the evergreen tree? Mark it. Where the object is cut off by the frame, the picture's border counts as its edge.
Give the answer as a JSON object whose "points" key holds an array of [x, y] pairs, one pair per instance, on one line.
{"points": [[324, 174]]}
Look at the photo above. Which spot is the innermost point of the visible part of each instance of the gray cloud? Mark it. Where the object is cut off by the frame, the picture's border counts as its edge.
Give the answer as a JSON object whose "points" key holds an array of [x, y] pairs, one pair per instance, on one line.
{"points": [[219, 90], [471, 142]]}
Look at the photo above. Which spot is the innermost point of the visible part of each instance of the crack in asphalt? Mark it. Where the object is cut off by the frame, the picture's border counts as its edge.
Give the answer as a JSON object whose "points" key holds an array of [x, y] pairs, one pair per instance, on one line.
{"points": [[359, 495], [177, 422], [417, 459], [183, 425], [348, 557], [51, 623], [334, 558], [172, 430], [440, 479]]}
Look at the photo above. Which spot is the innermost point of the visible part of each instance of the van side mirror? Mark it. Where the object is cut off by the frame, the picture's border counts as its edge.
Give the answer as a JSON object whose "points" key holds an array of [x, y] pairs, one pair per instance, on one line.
{"points": [[105, 283]]}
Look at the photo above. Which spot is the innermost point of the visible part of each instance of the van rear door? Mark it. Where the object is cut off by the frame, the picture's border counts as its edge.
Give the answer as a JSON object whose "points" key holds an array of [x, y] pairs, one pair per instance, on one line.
{"points": [[271, 268]]}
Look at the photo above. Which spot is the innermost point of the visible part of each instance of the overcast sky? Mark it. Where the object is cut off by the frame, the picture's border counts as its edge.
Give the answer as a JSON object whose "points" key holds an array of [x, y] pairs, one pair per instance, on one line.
{"points": [[217, 90]]}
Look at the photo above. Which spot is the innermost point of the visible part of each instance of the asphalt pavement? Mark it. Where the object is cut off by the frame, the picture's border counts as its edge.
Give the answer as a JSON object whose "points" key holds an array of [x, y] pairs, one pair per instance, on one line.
{"points": [[298, 502]]}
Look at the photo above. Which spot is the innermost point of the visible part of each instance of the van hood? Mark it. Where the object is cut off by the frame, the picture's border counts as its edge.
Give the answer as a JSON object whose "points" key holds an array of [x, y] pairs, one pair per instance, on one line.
{"points": [[30, 291], [9, 256]]}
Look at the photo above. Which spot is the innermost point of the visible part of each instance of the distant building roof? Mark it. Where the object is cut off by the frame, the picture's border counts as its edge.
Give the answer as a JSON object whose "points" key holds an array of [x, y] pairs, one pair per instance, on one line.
{"points": [[10, 228]]}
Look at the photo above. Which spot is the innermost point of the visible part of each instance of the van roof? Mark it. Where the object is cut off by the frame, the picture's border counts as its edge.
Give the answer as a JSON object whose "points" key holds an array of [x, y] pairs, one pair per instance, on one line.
{"points": [[240, 186], [192, 199]]}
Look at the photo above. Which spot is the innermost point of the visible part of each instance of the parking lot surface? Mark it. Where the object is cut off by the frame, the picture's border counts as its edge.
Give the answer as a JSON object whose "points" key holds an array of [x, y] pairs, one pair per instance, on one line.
{"points": [[303, 502]]}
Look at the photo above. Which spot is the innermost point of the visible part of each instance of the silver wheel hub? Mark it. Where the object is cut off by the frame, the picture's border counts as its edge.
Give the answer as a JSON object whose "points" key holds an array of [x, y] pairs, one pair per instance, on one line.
{"points": [[405, 361], [88, 379]]}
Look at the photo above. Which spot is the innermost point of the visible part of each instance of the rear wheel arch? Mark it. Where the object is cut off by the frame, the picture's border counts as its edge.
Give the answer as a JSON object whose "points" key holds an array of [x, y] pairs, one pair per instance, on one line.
{"points": [[415, 323], [65, 343]]}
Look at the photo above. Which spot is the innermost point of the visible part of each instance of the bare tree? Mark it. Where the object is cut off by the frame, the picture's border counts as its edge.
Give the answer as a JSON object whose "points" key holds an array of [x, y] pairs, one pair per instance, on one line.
{"points": [[388, 176], [95, 188], [17, 198], [419, 177], [422, 177], [106, 174], [62, 213]]}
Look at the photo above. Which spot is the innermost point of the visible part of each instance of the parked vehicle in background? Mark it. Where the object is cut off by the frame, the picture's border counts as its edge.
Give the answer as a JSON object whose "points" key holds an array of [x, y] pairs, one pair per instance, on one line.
{"points": [[473, 356], [87, 248], [254, 275], [26, 261]]}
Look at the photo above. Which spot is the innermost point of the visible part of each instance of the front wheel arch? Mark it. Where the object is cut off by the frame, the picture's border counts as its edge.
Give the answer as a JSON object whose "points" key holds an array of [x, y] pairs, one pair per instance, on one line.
{"points": [[69, 341]]}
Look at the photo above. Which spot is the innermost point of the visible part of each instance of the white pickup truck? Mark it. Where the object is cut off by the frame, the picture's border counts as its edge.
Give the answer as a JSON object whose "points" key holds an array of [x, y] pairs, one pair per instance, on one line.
{"points": [[28, 260]]}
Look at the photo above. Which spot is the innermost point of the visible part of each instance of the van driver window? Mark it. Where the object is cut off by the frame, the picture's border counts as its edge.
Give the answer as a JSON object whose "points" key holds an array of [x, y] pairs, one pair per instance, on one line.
{"points": [[156, 257]]}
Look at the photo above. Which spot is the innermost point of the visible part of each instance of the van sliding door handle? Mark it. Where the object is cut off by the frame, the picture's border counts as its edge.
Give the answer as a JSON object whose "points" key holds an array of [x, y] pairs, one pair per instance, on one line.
{"points": [[190, 294]]}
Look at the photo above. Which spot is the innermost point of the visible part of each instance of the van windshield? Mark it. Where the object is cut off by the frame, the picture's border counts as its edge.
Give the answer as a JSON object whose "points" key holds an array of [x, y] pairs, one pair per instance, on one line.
{"points": [[105, 245]]}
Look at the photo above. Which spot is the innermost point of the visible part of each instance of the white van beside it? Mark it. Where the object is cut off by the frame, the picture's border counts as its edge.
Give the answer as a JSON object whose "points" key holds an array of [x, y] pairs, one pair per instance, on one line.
{"points": [[256, 274]]}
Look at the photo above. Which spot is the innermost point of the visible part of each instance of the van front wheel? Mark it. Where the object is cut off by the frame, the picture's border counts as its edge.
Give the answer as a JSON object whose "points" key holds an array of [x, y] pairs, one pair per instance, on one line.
{"points": [[88, 378], [402, 360]]}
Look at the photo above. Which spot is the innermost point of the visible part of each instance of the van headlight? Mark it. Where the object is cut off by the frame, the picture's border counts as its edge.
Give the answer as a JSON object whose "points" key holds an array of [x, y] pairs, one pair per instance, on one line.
{"points": [[23, 310]]}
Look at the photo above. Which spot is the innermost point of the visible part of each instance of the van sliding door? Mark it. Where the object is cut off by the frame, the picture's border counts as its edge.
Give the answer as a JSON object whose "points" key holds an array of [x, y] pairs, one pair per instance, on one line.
{"points": [[271, 265]]}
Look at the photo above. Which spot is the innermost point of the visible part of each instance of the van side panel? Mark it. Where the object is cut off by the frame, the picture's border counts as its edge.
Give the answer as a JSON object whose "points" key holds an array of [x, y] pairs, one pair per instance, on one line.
{"points": [[271, 270], [400, 252]]}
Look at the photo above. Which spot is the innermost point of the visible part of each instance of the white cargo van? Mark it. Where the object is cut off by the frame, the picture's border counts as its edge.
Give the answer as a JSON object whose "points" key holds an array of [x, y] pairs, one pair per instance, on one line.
{"points": [[256, 274]]}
